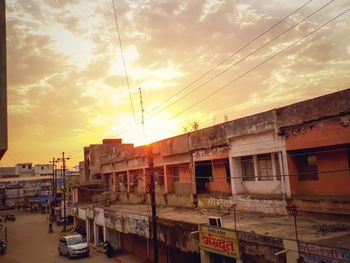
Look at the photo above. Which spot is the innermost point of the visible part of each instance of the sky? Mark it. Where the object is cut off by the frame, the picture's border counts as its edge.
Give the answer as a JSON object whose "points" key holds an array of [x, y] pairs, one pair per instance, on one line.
{"points": [[67, 86]]}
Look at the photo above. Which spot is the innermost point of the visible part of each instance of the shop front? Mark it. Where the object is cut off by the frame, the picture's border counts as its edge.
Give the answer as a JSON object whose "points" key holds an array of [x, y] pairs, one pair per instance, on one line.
{"points": [[111, 235], [90, 237], [218, 245]]}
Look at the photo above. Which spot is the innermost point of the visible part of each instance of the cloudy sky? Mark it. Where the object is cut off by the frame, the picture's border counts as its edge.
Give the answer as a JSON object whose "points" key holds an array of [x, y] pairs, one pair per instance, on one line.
{"points": [[66, 80]]}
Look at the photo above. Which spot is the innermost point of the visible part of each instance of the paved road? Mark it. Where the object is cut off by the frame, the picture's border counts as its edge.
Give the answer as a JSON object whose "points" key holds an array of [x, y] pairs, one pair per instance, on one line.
{"points": [[30, 242]]}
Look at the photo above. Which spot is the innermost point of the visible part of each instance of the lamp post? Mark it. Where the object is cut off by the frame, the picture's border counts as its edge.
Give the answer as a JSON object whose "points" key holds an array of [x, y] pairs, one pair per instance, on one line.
{"points": [[63, 159]]}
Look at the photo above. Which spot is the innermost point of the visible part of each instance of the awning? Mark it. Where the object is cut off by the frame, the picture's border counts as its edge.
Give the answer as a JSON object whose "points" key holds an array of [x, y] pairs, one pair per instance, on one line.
{"points": [[39, 199]]}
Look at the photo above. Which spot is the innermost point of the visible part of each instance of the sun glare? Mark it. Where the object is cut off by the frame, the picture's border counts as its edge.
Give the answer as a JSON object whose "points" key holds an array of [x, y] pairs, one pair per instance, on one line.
{"points": [[157, 128]]}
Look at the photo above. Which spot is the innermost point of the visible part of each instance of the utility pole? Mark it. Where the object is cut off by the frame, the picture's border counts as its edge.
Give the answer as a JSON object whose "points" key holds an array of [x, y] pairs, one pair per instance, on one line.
{"points": [[63, 160], [153, 201], [152, 188], [53, 188], [142, 111], [293, 209]]}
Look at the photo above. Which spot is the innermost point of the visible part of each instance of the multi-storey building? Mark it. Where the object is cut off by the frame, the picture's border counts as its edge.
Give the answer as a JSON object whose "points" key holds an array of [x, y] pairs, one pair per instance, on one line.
{"points": [[43, 169], [3, 81], [293, 155], [24, 169], [30, 186], [7, 172]]}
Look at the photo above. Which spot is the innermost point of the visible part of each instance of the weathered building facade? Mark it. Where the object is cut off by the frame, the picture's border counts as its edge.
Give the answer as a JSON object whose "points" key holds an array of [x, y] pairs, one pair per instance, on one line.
{"points": [[3, 81], [317, 136], [294, 155]]}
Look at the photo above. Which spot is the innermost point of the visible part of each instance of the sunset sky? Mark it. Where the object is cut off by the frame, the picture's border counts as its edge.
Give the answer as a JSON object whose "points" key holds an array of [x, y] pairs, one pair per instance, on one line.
{"points": [[66, 81]]}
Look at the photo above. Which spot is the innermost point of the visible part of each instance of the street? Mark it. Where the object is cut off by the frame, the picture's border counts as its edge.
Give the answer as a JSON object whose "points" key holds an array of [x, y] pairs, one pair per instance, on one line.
{"points": [[30, 242]]}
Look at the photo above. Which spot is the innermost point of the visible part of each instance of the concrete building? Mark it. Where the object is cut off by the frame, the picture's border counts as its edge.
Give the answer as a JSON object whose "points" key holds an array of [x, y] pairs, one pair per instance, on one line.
{"points": [[30, 186], [92, 158], [293, 155], [24, 169], [3, 80], [43, 169], [258, 161], [318, 151], [7, 172], [27, 191]]}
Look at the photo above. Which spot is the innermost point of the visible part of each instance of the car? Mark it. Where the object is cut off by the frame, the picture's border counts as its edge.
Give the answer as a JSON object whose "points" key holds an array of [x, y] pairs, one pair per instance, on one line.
{"points": [[73, 246], [11, 217]]}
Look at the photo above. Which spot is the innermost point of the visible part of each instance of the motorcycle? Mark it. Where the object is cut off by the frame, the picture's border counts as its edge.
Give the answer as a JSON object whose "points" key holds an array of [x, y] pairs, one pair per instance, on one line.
{"points": [[108, 249], [3, 246]]}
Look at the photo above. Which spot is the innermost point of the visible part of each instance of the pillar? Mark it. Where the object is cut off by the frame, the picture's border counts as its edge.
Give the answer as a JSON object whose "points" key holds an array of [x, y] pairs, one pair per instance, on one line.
{"points": [[96, 234], [87, 226], [105, 234]]}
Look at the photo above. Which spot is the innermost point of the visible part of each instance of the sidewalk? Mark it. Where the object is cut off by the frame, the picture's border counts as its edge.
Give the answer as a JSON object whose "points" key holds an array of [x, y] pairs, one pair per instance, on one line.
{"points": [[120, 257], [127, 258]]}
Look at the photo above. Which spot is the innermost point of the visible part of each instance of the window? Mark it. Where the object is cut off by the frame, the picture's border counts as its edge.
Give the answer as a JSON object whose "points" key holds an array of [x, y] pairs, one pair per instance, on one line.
{"points": [[42, 167], [227, 168], [265, 167], [204, 175], [63, 241], [133, 179], [247, 166], [307, 167], [123, 179], [264, 163], [174, 172], [159, 177]]}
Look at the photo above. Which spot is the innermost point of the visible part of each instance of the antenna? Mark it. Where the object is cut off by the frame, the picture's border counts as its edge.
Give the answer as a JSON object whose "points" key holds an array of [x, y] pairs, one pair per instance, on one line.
{"points": [[142, 111]]}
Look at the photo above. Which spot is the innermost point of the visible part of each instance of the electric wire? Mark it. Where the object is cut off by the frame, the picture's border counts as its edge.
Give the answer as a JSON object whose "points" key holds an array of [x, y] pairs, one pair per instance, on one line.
{"points": [[238, 62], [123, 59], [232, 55], [260, 64], [222, 62], [250, 54]]}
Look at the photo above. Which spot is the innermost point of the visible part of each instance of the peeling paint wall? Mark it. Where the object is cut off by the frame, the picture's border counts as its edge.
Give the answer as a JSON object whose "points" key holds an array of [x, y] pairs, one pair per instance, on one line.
{"points": [[208, 137], [314, 109], [328, 140], [253, 124]]}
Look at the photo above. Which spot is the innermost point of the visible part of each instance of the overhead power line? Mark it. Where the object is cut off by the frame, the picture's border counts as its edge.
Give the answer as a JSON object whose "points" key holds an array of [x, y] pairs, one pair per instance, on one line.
{"points": [[124, 64], [231, 56], [247, 56], [259, 65], [218, 65]]}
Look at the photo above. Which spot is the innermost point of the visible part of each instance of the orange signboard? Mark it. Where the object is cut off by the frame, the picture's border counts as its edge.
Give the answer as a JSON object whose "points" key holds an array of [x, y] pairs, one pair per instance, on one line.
{"points": [[219, 240]]}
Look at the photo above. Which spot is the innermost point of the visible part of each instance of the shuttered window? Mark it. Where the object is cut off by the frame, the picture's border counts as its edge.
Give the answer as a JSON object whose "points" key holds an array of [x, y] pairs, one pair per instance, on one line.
{"points": [[265, 171], [247, 166], [174, 173]]}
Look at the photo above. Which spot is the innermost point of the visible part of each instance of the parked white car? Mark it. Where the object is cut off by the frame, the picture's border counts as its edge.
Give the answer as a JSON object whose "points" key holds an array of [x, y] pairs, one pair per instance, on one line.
{"points": [[73, 246]]}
